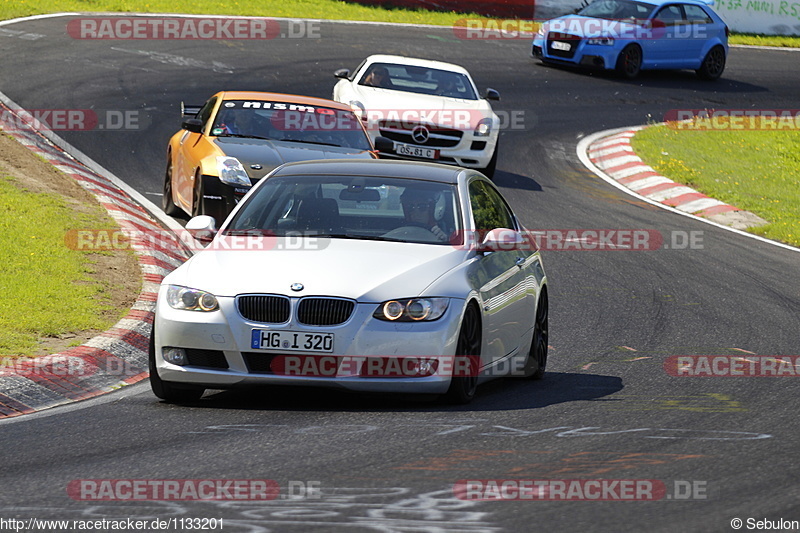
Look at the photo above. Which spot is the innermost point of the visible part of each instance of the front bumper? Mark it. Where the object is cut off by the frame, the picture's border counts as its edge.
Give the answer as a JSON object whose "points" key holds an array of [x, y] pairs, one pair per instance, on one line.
{"points": [[584, 55], [219, 344], [470, 152], [219, 198]]}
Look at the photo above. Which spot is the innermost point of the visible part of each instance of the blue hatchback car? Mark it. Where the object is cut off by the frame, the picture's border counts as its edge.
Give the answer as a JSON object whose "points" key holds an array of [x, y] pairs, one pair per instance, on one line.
{"points": [[633, 35]]}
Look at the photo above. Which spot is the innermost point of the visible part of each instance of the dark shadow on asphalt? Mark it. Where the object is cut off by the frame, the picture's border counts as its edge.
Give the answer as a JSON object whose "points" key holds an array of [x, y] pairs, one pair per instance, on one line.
{"points": [[515, 181], [665, 79], [506, 394]]}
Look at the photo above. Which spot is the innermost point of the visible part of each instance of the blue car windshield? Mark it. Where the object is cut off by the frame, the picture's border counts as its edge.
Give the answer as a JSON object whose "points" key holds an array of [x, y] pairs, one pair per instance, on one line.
{"points": [[617, 10]]}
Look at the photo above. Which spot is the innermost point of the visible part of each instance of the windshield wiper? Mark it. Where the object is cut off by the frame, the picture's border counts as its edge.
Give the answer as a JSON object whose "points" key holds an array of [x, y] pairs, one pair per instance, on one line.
{"points": [[355, 237], [243, 136], [308, 142]]}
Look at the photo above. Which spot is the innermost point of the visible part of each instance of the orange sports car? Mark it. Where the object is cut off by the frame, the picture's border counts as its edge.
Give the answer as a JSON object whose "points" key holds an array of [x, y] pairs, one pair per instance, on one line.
{"points": [[236, 138]]}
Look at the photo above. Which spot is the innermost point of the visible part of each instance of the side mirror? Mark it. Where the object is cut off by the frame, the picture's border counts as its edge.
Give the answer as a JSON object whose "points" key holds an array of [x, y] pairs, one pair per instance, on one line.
{"points": [[491, 94], [202, 228], [382, 144], [342, 73], [502, 239], [195, 125]]}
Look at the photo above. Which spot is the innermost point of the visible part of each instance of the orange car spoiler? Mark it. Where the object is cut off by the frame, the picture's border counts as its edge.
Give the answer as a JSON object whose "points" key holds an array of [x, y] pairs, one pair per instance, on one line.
{"points": [[190, 110]]}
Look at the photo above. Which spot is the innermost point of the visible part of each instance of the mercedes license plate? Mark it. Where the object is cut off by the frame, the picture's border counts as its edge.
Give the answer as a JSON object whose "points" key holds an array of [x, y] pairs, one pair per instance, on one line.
{"points": [[416, 151]]}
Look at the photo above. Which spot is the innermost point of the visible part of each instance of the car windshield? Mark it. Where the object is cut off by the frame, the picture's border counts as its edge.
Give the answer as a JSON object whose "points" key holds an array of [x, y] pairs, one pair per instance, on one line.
{"points": [[617, 10], [420, 80], [281, 121], [352, 207]]}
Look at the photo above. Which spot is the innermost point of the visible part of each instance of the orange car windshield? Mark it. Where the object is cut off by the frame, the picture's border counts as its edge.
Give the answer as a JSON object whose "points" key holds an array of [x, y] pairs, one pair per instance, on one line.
{"points": [[282, 121]]}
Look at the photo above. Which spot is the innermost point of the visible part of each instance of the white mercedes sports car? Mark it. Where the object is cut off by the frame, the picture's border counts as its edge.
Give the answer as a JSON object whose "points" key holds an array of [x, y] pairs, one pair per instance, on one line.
{"points": [[430, 110], [368, 275]]}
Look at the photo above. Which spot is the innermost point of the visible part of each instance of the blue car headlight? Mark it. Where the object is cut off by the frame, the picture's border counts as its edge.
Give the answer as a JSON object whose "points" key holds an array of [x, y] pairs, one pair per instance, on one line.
{"points": [[191, 299], [411, 309], [602, 41]]}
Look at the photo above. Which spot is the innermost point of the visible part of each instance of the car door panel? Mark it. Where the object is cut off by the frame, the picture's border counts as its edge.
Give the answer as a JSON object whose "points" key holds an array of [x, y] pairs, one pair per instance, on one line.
{"points": [[499, 275]]}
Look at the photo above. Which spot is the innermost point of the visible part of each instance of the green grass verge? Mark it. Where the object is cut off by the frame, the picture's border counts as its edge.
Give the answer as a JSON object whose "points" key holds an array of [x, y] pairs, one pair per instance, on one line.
{"points": [[754, 170], [46, 287], [784, 41], [314, 9]]}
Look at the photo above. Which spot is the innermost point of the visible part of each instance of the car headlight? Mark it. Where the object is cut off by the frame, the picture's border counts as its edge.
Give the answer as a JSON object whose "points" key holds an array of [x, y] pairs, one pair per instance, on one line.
{"points": [[411, 309], [484, 128], [602, 41], [191, 299], [231, 171]]}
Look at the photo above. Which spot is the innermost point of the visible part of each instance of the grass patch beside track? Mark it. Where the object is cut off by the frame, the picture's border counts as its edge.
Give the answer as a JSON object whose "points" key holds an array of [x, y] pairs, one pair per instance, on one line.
{"points": [[54, 296], [757, 170], [312, 9]]}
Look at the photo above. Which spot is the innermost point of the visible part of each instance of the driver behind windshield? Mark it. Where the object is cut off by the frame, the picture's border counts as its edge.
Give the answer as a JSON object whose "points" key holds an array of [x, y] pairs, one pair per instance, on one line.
{"points": [[420, 209], [242, 122]]}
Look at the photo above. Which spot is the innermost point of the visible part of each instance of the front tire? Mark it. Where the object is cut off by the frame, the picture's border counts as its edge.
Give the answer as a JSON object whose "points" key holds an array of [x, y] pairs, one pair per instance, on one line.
{"points": [[713, 64], [197, 196], [167, 202], [462, 388], [492, 166], [537, 356], [629, 62], [166, 390]]}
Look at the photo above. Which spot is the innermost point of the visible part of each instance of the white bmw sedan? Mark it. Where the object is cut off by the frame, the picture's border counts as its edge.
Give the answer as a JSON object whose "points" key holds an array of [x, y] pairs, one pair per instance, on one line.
{"points": [[367, 275], [429, 110]]}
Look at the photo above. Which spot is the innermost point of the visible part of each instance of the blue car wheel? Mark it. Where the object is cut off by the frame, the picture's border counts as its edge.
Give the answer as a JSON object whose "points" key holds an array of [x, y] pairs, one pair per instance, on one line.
{"points": [[629, 61], [713, 64]]}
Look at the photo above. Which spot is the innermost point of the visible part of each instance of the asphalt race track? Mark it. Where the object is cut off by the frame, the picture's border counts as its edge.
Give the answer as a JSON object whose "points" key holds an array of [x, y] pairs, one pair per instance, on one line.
{"points": [[723, 447]]}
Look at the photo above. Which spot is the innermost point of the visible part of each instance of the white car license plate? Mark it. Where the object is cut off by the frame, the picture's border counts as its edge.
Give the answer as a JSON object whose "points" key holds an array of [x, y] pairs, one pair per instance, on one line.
{"points": [[294, 341], [558, 45], [416, 151]]}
